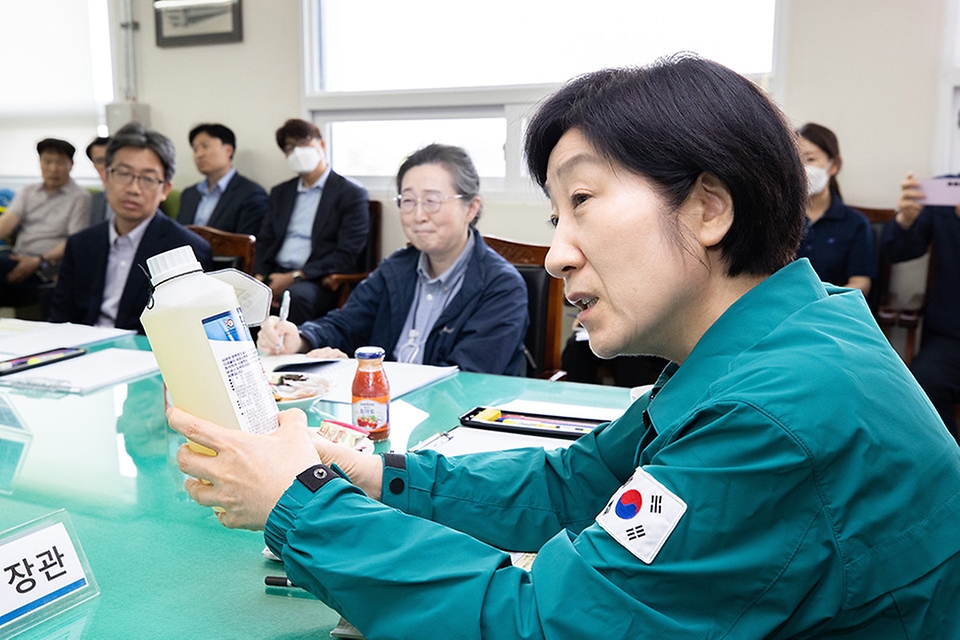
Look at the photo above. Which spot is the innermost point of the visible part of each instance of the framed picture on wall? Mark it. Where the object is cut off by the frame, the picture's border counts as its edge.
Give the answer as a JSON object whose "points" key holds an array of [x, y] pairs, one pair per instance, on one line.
{"points": [[192, 22]]}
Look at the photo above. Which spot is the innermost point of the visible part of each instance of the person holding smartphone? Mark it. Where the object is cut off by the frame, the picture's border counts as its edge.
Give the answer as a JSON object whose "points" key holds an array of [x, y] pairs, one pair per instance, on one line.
{"points": [[915, 230]]}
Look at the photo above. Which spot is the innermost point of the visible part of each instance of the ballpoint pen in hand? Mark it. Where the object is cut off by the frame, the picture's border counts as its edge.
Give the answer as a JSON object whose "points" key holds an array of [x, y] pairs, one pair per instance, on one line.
{"points": [[284, 312]]}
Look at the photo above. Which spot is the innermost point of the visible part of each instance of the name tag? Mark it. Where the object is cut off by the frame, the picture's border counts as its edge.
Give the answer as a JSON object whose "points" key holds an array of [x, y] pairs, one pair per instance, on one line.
{"points": [[42, 573], [641, 515]]}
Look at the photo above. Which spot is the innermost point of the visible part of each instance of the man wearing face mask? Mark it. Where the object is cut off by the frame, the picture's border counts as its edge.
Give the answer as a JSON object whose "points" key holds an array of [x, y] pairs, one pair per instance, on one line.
{"points": [[837, 240], [317, 224]]}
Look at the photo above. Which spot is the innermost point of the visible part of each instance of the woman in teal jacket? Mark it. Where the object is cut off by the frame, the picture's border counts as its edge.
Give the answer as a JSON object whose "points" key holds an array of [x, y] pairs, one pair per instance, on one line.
{"points": [[785, 477]]}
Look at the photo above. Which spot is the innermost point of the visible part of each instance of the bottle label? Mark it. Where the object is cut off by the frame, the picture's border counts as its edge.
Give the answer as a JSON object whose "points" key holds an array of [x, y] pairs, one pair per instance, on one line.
{"points": [[242, 371], [371, 413]]}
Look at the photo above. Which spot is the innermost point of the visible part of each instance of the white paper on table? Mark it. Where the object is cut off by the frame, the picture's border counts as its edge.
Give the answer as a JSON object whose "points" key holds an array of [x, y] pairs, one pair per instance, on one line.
{"points": [[25, 337], [584, 412], [87, 372], [402, 377], [461, 440]]}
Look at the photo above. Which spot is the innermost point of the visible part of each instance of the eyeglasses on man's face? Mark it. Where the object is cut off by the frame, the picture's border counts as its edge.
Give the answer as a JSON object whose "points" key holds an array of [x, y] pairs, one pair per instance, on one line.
{"points": [[125, 178], [431, 203]]}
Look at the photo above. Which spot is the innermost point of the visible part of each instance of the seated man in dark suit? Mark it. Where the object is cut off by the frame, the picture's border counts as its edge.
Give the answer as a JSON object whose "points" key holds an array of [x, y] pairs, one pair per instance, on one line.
{"points": [[101, 281], [225, 200], [97, 152], [317, 224]]}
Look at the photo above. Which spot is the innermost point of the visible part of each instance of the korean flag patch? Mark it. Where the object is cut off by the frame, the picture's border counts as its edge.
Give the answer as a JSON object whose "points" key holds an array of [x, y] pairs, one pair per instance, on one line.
{"points": [[641, 515]]}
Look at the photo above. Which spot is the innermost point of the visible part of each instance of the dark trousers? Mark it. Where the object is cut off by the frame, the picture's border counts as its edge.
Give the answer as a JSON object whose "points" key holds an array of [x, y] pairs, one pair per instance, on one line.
{"points": [[937, 369], [16, 294], [310, 300]]}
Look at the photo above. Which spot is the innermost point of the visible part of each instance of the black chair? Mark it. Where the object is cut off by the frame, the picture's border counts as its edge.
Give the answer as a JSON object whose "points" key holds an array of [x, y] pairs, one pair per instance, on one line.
{"points": [[343, 283], [545, 303]]}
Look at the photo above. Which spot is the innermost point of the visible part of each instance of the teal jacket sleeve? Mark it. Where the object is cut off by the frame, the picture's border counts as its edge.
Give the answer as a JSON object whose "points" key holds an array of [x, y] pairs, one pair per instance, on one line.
{"points": [[517, 500], [741, 569]]}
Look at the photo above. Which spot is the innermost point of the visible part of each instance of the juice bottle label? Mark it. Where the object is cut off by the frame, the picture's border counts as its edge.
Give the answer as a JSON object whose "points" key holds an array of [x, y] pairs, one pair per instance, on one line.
{"points": [[371, 413], [242, 371]]}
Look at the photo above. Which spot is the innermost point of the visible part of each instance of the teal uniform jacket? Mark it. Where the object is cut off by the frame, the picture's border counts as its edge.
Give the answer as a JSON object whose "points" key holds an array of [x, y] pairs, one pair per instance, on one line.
{"points": [[821, 498]]}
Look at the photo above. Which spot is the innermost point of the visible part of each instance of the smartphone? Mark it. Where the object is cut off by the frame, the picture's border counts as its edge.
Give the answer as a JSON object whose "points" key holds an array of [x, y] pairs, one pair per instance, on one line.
{"points": [[23, 363], [941, 191]]}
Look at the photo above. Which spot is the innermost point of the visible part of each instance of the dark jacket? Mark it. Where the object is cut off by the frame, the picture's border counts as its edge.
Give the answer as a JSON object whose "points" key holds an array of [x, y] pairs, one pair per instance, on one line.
{"points": [[340, 228], [482, 329], [79, 291], [241, 207], [939, 226]]}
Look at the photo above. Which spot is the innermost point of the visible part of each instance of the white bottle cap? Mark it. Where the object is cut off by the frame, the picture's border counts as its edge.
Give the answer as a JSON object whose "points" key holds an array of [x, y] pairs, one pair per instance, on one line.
{"points": [[171, 264]]}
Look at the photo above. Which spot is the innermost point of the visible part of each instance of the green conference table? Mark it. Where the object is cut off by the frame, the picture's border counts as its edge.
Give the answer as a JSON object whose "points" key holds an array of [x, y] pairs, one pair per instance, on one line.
{"points": [[165, 567]]}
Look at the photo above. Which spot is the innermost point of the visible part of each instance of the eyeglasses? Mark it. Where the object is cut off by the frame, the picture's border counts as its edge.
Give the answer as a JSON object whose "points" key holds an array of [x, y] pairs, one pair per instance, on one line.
{"points": [[126, 178], [430, 203], [302, 142]]}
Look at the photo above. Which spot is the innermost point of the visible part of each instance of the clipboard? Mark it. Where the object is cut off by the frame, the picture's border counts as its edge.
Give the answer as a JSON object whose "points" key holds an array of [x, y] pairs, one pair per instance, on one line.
{"points": [[535, 424]]}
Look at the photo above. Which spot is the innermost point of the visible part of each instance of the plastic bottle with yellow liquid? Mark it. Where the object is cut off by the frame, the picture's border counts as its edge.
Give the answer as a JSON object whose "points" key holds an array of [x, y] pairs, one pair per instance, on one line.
{"points": [[207, 357]]}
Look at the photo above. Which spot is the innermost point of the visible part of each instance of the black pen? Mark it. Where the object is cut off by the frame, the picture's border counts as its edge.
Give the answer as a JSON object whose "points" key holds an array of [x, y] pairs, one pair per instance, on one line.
{"points": [[279, 581]]}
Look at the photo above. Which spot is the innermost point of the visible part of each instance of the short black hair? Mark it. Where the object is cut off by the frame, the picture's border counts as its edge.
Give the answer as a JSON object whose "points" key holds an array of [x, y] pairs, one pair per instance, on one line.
{"points": [[99, 141], [134, 134], [221, 132], [297, 129], [56, 145], [676, 119]]}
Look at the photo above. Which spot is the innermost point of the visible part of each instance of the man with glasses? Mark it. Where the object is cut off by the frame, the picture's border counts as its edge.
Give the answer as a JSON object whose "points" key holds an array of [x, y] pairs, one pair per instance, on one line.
{"points": [[42, 215], [101, 280], [97, 153], [317, 224]]}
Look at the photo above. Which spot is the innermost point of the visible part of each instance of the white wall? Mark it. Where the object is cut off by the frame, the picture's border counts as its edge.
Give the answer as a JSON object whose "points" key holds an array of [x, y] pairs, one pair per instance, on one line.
{"points": [[868, 69], [251, 86]]}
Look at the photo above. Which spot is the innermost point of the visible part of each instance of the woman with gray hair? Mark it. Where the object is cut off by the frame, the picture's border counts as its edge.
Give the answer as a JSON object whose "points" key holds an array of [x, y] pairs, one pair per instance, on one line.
{"points": [[430, 302]]}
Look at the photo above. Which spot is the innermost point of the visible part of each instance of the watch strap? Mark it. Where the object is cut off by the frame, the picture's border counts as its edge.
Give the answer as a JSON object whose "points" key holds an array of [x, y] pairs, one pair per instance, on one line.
{"points": [[316, 476]]}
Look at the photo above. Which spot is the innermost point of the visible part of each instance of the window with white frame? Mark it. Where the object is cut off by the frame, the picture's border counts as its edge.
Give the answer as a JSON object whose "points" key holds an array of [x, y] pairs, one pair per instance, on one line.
{"points": [[56, 81], [385, 77]]}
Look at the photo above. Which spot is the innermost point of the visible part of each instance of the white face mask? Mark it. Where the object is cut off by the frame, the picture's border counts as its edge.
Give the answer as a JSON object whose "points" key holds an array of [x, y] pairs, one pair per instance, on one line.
{"points": [[817, 178], [304, 159]]}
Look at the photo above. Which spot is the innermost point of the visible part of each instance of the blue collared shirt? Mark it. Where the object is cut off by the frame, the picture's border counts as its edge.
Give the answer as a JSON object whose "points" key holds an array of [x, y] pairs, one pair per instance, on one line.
{"points": [[430, 298], [298, 243], [123, 249], [210, 197]]}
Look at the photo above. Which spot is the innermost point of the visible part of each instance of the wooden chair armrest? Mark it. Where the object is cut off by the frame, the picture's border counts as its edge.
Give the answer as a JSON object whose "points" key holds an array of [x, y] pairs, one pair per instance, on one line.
{"points": [[334, 281], [888, 310]]}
